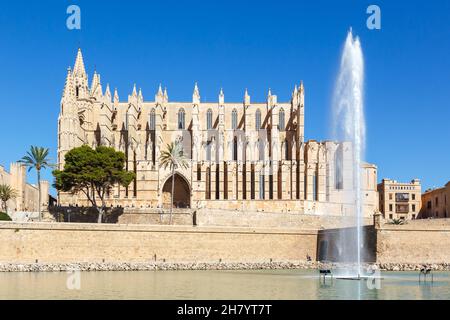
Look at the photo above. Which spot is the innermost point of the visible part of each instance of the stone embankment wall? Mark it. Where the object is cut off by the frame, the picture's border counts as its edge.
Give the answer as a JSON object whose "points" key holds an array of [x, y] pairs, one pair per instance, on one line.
{"points": [[74, 243], [395, 247], [417, 242]]}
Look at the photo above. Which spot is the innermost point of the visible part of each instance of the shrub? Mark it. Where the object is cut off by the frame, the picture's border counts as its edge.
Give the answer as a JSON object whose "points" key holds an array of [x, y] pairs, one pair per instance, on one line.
{"points": [[4, 217]]}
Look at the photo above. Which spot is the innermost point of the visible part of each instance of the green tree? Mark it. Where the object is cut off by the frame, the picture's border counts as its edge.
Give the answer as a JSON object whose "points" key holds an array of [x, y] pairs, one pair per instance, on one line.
{"points": [[37, 158], [93, 173], [7, 193], [174, 158]]}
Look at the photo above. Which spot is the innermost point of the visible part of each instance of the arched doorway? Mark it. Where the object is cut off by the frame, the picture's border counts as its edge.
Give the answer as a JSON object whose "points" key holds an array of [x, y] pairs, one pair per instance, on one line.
{"points": [[182, 192]]}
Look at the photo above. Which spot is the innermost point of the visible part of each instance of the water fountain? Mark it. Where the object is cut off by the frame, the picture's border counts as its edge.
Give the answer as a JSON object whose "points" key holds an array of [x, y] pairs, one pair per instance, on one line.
{"points": [[349, 125]]}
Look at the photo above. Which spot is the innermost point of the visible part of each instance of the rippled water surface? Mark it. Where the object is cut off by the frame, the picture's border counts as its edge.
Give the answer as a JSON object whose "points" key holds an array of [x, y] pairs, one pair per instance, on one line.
{"points": [[259, 284]]}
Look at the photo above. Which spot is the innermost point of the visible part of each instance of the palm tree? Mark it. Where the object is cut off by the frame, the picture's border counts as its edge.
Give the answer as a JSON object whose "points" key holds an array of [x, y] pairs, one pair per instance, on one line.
{"points": [[397, 221], [174, 158], [7, 193], [37, 158]]}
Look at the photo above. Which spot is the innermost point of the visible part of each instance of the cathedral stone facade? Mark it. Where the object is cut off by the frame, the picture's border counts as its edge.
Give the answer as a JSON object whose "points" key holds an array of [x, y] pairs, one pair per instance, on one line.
{"points": [[242, 155]]}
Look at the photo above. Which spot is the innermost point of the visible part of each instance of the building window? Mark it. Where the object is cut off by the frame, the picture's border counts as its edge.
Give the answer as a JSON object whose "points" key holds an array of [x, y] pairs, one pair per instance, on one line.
{"points": [[209, 117], [181, 119], [261, 149], [199, 172], [429, 205], [281, 120], [413, 216], [208, 184], [338, 168], [208, 150], [152, 120], [402, 197], [437, 201], [390, 216], [413, 196], [234, 121], [390, 196], [261, 187], [258, 120], [390, 207], [235, 149], [413, 208], [286, 149], [401, 208], [315, 197]]}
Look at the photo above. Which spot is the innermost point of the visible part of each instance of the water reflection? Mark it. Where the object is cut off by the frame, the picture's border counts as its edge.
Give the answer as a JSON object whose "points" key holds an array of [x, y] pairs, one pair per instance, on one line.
{"points": [[260, 284]]}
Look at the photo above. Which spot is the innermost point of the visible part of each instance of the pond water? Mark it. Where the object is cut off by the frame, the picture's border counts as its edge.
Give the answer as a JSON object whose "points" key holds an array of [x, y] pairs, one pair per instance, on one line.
{"points": [[248, 284]]}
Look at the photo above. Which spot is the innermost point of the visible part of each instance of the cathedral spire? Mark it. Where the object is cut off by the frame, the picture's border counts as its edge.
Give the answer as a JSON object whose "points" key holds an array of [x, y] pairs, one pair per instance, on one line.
{"points": [[221, 97], [96, 87], [160, 92], [78, 69], [69, 91], [196, 95], [246, 98], [295, 96], [159, 97], [134, 94], [166, 96], [116, 96], [108, 93], [140, 96]]}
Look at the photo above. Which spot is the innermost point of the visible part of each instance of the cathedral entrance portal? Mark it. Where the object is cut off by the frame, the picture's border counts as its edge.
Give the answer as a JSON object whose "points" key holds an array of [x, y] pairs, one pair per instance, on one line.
{"points": [[182, 193]]}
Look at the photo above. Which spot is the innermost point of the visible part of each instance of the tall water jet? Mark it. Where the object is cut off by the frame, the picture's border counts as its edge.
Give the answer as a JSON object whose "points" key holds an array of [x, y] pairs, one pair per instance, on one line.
{"points": [[349, 125]]}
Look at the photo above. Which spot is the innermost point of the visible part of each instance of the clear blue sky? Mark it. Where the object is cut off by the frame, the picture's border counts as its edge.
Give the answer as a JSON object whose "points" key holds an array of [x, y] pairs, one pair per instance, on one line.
{"points": [[234, 45]]}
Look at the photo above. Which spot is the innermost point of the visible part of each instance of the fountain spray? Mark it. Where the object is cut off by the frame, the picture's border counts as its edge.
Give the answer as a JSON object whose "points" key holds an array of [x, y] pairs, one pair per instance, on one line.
{"points": [[349, 125]]}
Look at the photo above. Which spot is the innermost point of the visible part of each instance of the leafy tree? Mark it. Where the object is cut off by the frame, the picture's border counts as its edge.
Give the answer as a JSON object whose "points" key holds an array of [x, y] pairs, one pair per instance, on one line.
{"points": [[174, 158], [7, 193], [93, 173], [37, 158]]}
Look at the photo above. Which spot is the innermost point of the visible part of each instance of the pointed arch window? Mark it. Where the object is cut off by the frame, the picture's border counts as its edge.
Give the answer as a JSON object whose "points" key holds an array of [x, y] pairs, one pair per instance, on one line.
{"points": [[208, 151], [315, 187], [261, 147], [258, 120], [338, 169], [234, 119], [181, 119], [152, 123], [262, 190], [235, 149], [286, 149], [209, 117], [281, 120]]}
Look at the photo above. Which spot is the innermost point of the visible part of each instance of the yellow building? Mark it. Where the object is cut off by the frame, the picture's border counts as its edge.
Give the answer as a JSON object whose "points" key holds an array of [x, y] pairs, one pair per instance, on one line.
{"points": [[400, 200], [436, 203], [27, 194], [243, 155]]}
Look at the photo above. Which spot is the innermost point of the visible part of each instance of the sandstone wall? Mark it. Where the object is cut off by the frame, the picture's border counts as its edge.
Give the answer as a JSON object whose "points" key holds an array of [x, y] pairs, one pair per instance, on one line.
{"points": [[220, 217], [418, 241], [68, 243]]}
